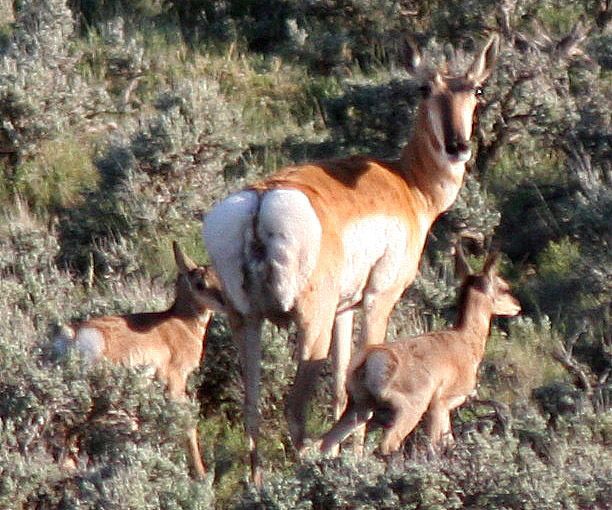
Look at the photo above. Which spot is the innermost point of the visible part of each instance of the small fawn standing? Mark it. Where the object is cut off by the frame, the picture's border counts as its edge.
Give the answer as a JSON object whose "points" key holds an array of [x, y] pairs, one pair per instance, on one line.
{"points": [[432, 373], [172, 342]]}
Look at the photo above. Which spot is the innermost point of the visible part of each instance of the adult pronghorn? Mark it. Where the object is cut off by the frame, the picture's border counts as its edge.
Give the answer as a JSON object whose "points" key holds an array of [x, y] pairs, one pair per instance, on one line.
{"points": [[315, 242], [172, 342], [429, 374]]}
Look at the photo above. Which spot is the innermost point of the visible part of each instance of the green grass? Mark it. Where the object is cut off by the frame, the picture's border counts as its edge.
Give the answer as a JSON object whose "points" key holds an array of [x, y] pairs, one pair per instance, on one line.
{"points": [[59, 175]]}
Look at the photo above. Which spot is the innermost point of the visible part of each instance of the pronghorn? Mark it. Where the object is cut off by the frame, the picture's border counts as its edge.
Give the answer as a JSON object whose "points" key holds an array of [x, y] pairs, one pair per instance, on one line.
{"points": [[314, 242], [429, 374], [171, 342]]}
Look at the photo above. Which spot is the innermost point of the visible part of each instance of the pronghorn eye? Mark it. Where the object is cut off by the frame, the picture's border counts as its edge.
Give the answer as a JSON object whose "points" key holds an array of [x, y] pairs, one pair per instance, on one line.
{"points": [[478, 92], [200, 286]]}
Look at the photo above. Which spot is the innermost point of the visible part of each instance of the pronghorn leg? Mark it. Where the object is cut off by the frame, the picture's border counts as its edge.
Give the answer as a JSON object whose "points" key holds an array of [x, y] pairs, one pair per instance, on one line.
{"points": [[439, 425], [247, 333], [314, 325], [342, 341], [408, 413], [377, 308], [194, 449], [354, 416], [177, 384]]}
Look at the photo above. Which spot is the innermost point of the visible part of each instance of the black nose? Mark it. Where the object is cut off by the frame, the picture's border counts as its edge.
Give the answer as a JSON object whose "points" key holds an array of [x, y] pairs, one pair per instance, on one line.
{"points": [[454, 147]]}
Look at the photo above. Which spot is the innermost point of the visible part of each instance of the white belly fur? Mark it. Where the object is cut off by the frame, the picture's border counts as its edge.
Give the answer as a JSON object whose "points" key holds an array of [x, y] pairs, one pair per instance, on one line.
{"points": [[374, 255]]}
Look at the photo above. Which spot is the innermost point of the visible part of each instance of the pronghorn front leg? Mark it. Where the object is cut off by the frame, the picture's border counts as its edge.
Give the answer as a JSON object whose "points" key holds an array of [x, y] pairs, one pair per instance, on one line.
{"points": [[377, 307], [342, 343], [439, 427], [247, 333], [176, 381]]}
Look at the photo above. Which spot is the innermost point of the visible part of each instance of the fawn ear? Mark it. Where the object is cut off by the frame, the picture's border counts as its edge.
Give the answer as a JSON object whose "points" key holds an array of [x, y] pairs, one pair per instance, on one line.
{"points": [[412, 56], [183, 262], [483, 64], [462, 268], [490, 266]]}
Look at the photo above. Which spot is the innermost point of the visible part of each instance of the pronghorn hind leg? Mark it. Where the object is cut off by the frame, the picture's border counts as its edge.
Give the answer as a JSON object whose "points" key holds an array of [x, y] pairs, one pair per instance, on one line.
{"points": [[303, 387], [314, 337], [355, 415], [247, 334], [408, 413]]}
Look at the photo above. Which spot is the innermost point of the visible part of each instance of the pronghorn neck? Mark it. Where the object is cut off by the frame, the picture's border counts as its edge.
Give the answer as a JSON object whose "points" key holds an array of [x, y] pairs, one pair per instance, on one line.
{"points": [[424, 161]]}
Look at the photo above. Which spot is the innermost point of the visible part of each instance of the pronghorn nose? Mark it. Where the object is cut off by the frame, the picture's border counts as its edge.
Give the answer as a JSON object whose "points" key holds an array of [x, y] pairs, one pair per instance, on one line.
{"points": [[455, 147]]}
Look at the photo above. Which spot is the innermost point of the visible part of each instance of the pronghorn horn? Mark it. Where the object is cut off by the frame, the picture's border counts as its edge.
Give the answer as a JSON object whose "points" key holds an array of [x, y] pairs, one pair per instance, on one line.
{"points": [[482, 66]]}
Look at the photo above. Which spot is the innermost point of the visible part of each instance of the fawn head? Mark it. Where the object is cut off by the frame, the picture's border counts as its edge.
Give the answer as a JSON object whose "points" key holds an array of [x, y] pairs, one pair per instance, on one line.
{"points": [[493, 286], [197, 285]]}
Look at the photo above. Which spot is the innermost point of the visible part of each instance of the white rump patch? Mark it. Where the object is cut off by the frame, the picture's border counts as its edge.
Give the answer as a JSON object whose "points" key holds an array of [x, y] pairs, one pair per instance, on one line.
{"points": [[288, 227], [378, 372], [90, 342], [291, 232], [225, 228]]}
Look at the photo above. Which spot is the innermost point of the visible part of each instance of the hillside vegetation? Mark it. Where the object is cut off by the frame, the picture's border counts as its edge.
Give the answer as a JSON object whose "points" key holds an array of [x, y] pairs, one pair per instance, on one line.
{"points": [[122, 122]]}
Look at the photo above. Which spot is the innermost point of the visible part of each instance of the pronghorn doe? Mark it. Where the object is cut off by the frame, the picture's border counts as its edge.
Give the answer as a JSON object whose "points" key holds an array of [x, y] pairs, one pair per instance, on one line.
{"points": [[429, 374], [171, 342], [315, 242]]}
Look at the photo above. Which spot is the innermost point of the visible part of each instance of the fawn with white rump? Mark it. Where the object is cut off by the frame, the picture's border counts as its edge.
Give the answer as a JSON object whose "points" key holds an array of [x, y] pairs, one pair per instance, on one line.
{"points": [[172, 342], [429, 374], [315, 242]]}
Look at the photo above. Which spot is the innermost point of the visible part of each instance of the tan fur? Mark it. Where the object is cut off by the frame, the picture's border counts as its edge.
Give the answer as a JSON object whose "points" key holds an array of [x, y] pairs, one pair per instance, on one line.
{"points": [[411, 191], [172, 342], [429, 374]]}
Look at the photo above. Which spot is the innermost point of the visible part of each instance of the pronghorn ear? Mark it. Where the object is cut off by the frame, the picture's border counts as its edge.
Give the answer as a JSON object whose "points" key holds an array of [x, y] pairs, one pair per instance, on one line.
{"points": [[412, 56], [483, 64], [183, 262], [462, 268]]}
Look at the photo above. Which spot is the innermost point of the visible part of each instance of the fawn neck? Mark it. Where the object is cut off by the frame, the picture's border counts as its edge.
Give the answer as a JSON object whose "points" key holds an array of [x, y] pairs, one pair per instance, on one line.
{"points": [[189, 309], [474, 319]]}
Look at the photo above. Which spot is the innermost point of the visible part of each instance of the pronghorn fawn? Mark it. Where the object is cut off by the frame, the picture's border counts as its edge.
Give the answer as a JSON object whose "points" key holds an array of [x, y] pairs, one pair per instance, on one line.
{"points": [[429, 374], [315, 242], [171, 342]]}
